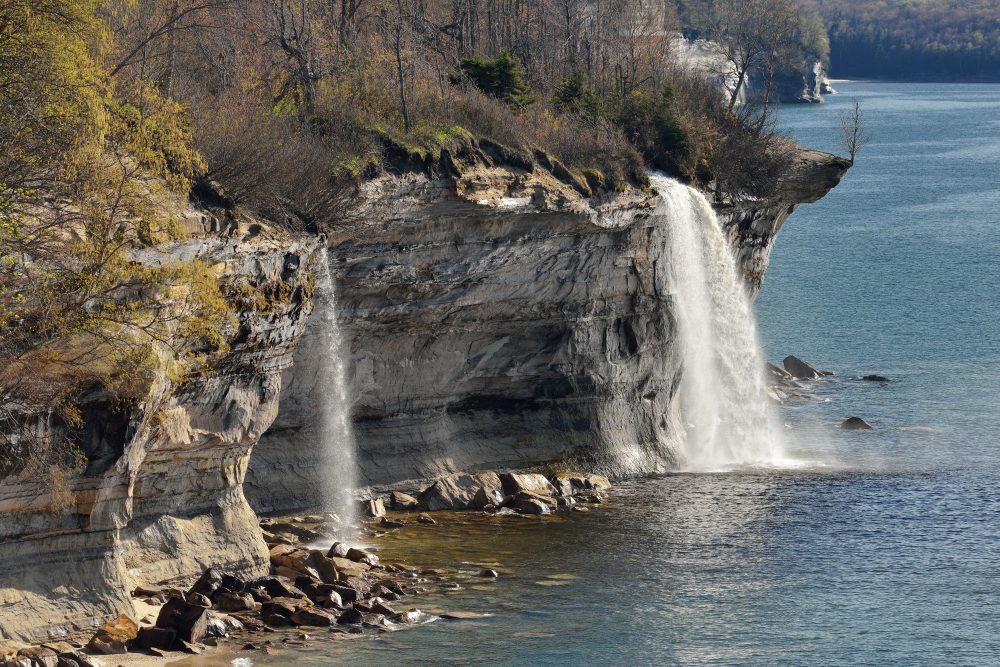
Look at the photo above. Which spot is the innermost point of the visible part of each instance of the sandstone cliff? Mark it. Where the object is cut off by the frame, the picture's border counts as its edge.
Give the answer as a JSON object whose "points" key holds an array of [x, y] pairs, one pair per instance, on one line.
{"points": [[161, 494], [498, 319]]}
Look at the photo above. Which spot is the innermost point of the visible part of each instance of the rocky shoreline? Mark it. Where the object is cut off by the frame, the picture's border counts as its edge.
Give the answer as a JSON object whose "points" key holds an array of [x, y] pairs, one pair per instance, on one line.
{"points": [[315, 589]]}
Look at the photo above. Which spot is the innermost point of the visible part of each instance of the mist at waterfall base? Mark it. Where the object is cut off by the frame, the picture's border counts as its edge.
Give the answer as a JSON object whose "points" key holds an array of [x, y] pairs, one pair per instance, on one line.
{"points": [[892, 557], [339, 467]]}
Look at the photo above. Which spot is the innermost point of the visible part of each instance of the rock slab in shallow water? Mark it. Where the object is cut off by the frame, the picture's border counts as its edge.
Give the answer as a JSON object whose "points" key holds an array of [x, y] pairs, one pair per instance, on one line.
{"points": [[800, 369], [855, 424]]}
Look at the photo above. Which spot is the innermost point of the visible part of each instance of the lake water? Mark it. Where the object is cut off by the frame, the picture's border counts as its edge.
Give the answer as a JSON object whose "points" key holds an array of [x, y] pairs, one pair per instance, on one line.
{"points": [[887, 554]]}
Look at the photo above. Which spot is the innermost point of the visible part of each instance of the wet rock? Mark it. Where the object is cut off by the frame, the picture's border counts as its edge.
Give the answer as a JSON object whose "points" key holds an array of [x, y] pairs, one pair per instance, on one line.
{"points": [[351, 617], [578, 508], [423, 518], [339, 549], [572, 483], [190, 621], [314, 617], [373, 508], [855, 424], [410, 617], [347, 594], [461, 615], [161, 638], [799, 368], [386, 522], [778, 375], [531, 505], [489, 574], [485, 497], [113, 636], [402, 501], [458, 491], [373, 619], [515, 483], [362, 556], [565, 502], [323, 566], [875, 378]]}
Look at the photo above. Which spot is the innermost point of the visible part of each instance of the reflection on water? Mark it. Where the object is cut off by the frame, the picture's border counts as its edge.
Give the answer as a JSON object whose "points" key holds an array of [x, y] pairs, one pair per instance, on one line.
{"points": [[795, 568]]}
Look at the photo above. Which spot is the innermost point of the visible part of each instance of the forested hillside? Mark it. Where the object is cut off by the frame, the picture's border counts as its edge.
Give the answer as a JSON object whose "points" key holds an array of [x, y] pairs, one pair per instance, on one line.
{"points": [[114, 112], [942, 40]]}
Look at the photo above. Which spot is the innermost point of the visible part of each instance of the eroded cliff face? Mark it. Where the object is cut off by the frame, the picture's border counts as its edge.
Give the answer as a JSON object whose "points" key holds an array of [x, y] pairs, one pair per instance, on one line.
{"points": [[499, 319], [161, 494]]}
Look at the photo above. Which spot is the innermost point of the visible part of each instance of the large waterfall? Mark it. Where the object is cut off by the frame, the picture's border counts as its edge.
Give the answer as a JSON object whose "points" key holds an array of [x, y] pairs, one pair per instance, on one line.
{"points": [[339, 472], [728, 420]]}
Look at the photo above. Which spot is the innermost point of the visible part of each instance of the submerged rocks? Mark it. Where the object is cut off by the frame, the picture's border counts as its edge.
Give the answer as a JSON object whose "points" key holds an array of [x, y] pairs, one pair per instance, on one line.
{"points": [[458, 491], [572, 483], [855, 424], [800, 369], [875, 378]]}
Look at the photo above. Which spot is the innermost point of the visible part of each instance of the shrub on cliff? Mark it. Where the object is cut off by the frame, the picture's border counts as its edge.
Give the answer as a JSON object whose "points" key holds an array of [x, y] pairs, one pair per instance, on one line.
{"points": [[87, 166]]}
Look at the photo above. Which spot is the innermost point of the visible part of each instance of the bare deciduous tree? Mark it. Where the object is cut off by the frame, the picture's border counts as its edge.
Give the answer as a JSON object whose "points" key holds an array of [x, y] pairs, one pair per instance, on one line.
{"points": [[853, 136]]}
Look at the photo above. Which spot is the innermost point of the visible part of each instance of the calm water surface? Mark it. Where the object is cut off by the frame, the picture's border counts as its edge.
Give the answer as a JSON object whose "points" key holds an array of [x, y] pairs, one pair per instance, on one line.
{"points": [[890, 553]]}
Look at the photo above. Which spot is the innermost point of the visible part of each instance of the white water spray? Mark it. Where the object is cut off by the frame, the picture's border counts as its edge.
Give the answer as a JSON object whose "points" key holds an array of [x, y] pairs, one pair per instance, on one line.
{"points": [[729, 422], [339, 468]]}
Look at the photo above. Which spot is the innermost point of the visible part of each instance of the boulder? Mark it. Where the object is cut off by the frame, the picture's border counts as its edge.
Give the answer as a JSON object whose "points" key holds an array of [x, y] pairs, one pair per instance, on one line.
{"points": [[362, 556], [514, 483], [228, 601], [489, 574], [314, 617], [373, 508], [348, 568], [875, 378], [855, 424], [113, 636], [208, 583], [277, 587], [485, 497], [190, 621], [40, 656], [458, 491], [572, 483], [161, 638], [530, 504], [294, 558], [402, 501], [799, 368], [777, 373], [199, 600], [339, 549], [351, 617], [323, 566]]}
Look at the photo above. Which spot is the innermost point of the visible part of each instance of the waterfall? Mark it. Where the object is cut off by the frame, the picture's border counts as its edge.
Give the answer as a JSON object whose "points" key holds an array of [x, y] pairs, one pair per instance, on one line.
{"points": [[338, 476], [728, 419]]}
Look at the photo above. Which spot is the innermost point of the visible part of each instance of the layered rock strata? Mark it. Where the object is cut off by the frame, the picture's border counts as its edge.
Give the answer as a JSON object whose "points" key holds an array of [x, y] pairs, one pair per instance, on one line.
{"points": [[160, 496], [500, 319]]}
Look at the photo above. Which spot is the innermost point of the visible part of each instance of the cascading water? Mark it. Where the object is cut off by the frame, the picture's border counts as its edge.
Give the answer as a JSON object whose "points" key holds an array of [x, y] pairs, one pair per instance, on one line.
{"points": [[724, 404], [339, 472]]}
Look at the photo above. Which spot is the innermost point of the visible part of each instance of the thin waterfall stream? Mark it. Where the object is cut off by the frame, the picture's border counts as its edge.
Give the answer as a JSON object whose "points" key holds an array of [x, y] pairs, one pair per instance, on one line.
{"points": [[336, 433], [725, 409]]}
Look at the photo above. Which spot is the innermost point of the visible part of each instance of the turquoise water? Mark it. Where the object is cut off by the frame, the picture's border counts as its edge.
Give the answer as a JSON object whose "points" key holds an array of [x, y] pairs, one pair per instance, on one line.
{"points": [[887, 554]]}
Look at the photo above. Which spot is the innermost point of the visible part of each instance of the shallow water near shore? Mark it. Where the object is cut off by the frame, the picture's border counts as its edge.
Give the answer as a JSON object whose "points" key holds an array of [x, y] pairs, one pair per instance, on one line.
{"points": [[883, 547]]}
